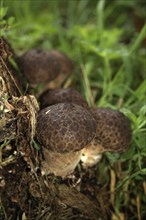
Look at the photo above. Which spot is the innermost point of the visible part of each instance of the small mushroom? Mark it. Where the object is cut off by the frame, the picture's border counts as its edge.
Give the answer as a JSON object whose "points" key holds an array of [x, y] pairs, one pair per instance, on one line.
{"points": [[51, 97], [39, 66], [64, 130], [113, 134]]}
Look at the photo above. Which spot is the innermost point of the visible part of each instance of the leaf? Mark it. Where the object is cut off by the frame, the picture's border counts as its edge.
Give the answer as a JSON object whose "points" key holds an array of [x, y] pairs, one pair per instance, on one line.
{"points": [[3, 12], [11, 21]]}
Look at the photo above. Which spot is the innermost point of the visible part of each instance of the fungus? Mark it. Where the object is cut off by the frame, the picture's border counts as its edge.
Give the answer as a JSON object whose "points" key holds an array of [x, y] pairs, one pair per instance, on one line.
{"points": [[51, 97], [39, 66], [113, 134], [65, 63], [66, 66], [64, 130]]}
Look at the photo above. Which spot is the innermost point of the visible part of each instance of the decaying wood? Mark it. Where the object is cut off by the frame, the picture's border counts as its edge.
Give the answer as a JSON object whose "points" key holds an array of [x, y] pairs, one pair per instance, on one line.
{"points": [[17, 112]]}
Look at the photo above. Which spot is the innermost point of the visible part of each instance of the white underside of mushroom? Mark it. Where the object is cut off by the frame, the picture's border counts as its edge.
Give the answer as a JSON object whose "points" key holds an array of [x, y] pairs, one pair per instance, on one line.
{"points": [[60, 164]]}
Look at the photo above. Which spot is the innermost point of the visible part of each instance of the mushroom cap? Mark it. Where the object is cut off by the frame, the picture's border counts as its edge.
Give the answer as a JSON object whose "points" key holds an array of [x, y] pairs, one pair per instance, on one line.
{"points": [[65, 62], [113, 130], [39, 66], [65, 127], [51, 97]]}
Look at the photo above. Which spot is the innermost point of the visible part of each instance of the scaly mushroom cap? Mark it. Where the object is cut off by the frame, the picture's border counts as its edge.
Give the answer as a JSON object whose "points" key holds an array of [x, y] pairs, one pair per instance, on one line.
{"points": [[51, 97], [39, 66], [65, 127], [113, 130]]}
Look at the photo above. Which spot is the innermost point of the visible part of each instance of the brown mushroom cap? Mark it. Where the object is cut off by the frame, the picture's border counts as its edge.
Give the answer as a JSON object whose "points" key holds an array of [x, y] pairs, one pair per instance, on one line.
{"points": [[70, 95], [65, 127], [65, 62], [113, 130], [39, 66]]}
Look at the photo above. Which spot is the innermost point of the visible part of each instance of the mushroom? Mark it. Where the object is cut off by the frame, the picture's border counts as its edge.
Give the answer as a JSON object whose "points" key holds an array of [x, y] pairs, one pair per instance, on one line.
{"points": [[51, 97], [113, 134], [66, 66], [64, 130], [41, 66], [65, 63]]}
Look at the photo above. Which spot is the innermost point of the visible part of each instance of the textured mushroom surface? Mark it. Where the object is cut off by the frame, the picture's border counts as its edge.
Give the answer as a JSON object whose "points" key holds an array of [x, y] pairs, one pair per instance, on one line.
{"points": [[65, 62], [39, 66], [113, 133], [51, 97], [65, 127], [113, 130]]}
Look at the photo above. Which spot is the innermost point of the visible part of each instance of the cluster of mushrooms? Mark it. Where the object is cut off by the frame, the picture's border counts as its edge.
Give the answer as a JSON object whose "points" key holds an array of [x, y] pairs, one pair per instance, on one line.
{"points": [[67, 129]]}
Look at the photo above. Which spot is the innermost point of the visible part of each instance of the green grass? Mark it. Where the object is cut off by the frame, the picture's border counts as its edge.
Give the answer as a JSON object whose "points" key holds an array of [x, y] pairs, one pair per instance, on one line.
{"points": [[105, 42]]}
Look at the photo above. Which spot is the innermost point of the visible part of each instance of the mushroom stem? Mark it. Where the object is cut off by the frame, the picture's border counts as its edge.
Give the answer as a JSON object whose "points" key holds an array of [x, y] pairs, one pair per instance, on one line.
{"points": [[92, 154], [60, 164]]}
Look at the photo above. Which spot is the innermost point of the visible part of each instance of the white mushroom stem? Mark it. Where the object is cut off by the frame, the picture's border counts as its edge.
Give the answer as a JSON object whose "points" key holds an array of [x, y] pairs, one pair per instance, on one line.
{"points": [[90, 160], [92, 154], [60, 164]]}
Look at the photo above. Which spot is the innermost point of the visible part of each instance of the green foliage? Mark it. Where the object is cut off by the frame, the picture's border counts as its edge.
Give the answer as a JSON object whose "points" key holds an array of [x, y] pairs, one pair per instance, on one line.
{"points": [[5, 24], [103, 40]]}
